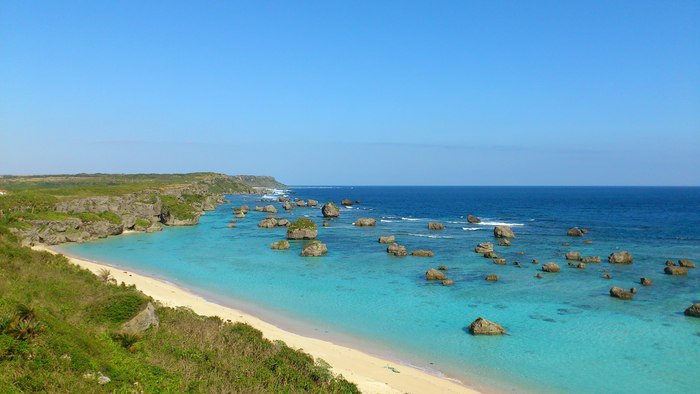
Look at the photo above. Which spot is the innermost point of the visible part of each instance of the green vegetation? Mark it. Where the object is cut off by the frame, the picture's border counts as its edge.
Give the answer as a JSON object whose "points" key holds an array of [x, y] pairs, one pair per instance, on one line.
{"points": [[302, 223], [59, 331], [177, 208], [140, 222]]}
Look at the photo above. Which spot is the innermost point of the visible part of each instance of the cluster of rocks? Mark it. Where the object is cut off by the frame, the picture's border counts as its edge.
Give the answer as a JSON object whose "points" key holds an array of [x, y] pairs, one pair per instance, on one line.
{"points": [[433, 274]]}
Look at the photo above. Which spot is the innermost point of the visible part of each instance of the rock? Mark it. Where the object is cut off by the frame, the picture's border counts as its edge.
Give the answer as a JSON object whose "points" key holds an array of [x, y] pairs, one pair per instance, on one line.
{"points": [[365, 222], [670, 263], [633, 290], [620, 293], [346, 202], [283, 223], [302, 228], [534, 261], [565, 244], [645, 281], [326, 223], [269, 209], [588, 242], [484, 247], [422, 253], [574, 232], [693, 310], [283, 199], [580, 266], [573, 256], [607, 276], [443, 268], [433, 274], [280, 245], [473, 219], [435, 226], [538, 276], [676, 270], [240, 215], [287, 206], [102, 379], [685, 263], [231, 225], [258, 209], [387, 239], [312, 203], [623, 257], [268, 223], [301, 203], [143, 320], [481, 326], [244, 208], [492, 255], [503, 232], [499, 261], [550, 267], [448, 282], [503, 242], [330, 210], [314, 249], [591, 259], [155, 227], [396, 249], [492, 278]]}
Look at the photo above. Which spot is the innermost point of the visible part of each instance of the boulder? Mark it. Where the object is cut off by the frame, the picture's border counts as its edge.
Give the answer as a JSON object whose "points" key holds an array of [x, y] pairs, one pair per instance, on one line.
{"points": [[144, 320], [623, 257], [503, 232], [269, 209], [473, 219], [301, 203], [573, 256], [591, 259], [258, 209], [674, 270], [484, 247], [607, 276], [283, 223], [280, 245], [346, 202], [588, 242], [244, 208], [268, 223], [534, 261], [365, 222], [283, 199], [645, 281], [312, 203], [580, 266], [314, 249], [481, 326], [435, 226], [565, 244], [619, 292], [550, 267], [422, 253], [574, 232], [693, 310], [287, 206], [240, 215], [396, 249], [685, 263], [326, 223], [670, 263], [387, 239], [302, 228], [443, 268], [433, 274], [503, 242], [448, 282], [492, 255], [491, 278], [231, 225], [500, 261], [330, 210]]}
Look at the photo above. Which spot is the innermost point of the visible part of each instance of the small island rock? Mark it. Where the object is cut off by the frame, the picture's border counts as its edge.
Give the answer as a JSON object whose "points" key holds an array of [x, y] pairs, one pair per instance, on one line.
{"points": [[481, 326]]}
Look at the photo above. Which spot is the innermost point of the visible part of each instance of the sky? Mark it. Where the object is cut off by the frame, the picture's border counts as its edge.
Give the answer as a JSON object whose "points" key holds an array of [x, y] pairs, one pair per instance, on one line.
{"points": [[355, 92]]}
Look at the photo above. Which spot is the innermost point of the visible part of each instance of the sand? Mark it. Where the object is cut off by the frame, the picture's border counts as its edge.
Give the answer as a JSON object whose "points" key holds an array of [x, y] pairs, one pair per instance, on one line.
{"points": [[370, 373]]}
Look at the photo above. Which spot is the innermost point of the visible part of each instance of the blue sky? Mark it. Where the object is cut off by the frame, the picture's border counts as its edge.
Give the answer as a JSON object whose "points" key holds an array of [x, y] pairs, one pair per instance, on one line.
{"points": [[355, 92]]}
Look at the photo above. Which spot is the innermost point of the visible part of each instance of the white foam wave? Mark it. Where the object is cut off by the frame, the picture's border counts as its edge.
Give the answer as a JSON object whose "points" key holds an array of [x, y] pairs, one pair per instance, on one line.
{"points": [[388, 221], [472, 228], [500, 224], [431, 236], [411, 219]]}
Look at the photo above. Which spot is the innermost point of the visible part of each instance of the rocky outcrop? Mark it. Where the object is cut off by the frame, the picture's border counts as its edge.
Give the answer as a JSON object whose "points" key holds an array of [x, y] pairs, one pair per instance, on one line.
{"points": [[346, 202], [491, 278], [280, 245], [312, 203], [365, 222], [481, 326], [675, 270], [435, 226], [268, 223], [283, 199], [314, 249], [591, 259], [287, 206], [484, 247], [500, 261], [144, 320], [492, 255], [422, 253], [693, 310], [443, 268], [473, 219], [302, 229], [330, 210], [645, 281], [396, 250], [550, 267], [283, 223], [269, 209], [685, 263], [301, 203], [503, 232], [573, 256], [387, 239], [623, 257], [433, 274], [621, 293], [574, 232], [448, 282], [503, 242]]}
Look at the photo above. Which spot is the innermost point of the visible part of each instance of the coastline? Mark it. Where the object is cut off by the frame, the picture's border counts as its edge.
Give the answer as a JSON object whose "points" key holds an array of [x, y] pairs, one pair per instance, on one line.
{"points": [[370, 373]]}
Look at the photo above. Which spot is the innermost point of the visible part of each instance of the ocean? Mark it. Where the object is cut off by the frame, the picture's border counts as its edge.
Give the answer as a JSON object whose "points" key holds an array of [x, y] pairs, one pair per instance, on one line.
{"points": [[564, 331]]}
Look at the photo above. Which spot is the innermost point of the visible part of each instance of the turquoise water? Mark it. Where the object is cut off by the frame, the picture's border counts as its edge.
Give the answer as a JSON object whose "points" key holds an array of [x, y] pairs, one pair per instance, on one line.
{"points": [[565, 333]]}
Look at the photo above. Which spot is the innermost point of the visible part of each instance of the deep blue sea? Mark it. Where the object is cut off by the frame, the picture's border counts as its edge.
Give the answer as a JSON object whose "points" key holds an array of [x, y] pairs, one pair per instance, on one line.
{"points": [[565, 333]]}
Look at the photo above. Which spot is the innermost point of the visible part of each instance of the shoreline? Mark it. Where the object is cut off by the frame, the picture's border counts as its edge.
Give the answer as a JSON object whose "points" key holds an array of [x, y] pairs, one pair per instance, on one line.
{"points": [[371, 374]]}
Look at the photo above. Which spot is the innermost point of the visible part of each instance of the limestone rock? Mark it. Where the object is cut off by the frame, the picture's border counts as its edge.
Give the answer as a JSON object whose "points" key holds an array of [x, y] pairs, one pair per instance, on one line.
{"points": [[435, 226], [422, 253], [503, 242], [591, 259], [144, 320], [365, 222], [396, 249], [387, 239], [623, 257], [620, 293], [268, 223], [499, 261], [492, 278], [330, 210], [573, 256], [346, 202], [448, 282], [280, 245], [574, 232], [645, 281], [433, 274], [550, 267], [503, 232], [312, 203], [473, 219], [693, 310], [302, 228], [481, 326], [674, 270], [287, 206], [685, 263], [484, 247], [314, 249]]}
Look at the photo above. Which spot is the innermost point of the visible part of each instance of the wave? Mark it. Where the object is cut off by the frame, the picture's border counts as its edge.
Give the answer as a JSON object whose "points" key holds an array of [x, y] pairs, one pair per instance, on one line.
{"points": [[431, 236], [472, 228], [412, 219], [389, 221], [500, 224]]}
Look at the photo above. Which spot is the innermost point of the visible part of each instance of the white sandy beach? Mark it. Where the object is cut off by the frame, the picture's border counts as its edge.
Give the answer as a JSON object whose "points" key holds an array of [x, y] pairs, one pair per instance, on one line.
{"points": [[371, 374]]}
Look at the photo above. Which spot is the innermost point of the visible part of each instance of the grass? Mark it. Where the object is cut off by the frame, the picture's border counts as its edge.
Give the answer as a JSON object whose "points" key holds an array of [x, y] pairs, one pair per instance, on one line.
{"points": [[60, 323], [178, 209], [302, 223]]}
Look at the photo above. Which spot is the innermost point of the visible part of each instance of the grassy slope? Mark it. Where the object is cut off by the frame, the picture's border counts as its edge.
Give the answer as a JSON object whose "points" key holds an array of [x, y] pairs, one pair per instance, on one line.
{"points": [[78, 315]]}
